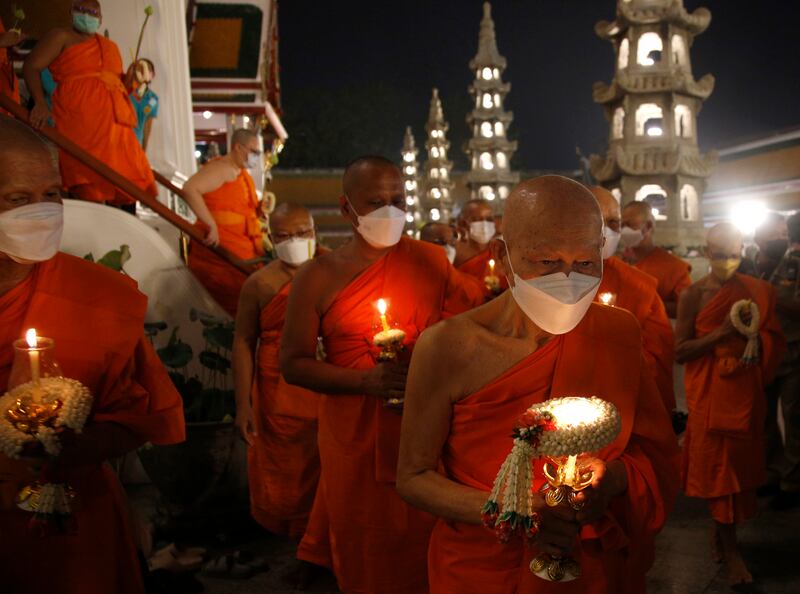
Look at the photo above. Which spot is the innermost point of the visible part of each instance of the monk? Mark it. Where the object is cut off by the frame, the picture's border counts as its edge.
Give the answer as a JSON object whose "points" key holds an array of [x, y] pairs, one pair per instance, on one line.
{"points": [[223, 196], [280, 424], [95, 316], [723, 455], [378, 544], [636, 291], [90, 106], [445, 236], [518, 350], [672, 273], [9, 85], [477, 224]]}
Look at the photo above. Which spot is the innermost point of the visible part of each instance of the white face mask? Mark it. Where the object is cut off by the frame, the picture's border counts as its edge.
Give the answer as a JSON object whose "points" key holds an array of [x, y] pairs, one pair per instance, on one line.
{"points": [[612, 241], [252, 161], [382, 228], [296, 250], [555, 302], [32, 233], [482, 231], [631, 237], [451, 252]]}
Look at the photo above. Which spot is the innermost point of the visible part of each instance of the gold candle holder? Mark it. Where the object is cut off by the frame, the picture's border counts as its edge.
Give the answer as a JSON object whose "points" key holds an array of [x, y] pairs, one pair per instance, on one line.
{"points": [[390, 341]]}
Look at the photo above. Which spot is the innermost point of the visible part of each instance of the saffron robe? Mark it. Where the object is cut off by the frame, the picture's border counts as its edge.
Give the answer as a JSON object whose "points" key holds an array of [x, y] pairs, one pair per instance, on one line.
{"points": [[95, 317], [478, 267], [375, 542], [234, 207], [636, 292], [284, 460], [601, 356], [723, 455], [671, 272], [9, 85], [91, 107]]}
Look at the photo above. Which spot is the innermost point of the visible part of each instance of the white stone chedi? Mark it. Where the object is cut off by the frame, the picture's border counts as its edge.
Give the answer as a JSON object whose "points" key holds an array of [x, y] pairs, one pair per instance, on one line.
{"points": [[652, 106], [438, 199]]}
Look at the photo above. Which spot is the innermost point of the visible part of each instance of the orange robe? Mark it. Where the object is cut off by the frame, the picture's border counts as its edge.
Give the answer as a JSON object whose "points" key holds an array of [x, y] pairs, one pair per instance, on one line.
{"points": [[95, 317], [234, 208], [636, 292], [284, 460], [723, 455], [478, 267], [378, 543], [602, 357], [9, 85], [671, 272], [91, 107]]}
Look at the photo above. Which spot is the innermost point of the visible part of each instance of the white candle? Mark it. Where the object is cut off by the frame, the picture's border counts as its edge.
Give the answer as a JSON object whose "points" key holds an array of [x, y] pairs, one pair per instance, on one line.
{"points": [[491, 267], [33, 356], [382, 310]]}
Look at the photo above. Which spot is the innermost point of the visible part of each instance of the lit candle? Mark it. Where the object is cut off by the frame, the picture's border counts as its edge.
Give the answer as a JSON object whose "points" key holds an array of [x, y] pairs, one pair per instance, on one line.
{"points": [[382, 310], [606, 298], [33, 355], [491, 267]]}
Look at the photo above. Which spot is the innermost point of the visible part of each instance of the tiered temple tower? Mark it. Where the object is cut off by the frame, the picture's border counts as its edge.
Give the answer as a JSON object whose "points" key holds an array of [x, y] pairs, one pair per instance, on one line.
{"points": [[652, 106], [411, 182], [438, 199], [489, 149]]}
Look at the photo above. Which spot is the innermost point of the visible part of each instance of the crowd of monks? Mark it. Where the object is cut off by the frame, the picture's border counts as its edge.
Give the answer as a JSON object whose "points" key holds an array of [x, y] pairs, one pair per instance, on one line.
{"points": [[379, 468]]}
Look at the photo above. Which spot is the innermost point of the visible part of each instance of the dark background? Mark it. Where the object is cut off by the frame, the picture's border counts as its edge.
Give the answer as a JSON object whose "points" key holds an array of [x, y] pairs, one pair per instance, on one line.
{"points": [[355, 73]]}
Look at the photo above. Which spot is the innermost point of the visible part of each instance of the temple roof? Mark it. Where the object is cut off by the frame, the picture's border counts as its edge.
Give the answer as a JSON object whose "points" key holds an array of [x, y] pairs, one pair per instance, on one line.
{"points": [[435, 113], [488, 54], [678, 81], [635, 161], [484, 115], [408, 142], [653, 12]]}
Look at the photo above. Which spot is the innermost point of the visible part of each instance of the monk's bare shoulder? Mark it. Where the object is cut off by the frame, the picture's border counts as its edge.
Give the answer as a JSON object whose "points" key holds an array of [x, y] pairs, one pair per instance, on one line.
{"points": [[265, 283], [455, 342]]}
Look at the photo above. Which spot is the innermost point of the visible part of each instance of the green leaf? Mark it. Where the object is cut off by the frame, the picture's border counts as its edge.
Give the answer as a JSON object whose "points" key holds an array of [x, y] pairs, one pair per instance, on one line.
{"points": [[116, 259], [219, 336], [214, 361], [205, 318], [153, 328], [89, 257], [177, 353]]}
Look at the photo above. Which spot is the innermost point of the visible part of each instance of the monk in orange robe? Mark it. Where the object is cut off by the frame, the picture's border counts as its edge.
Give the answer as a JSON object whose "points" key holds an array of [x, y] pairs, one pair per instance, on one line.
{"points": [[378, 544], [9, 85], [445, 236], [91, 106], [626, 287], [463, 402], [672, 273], [223, 196], [478, 227], [95, 316], [723, 455], [280, 424]]}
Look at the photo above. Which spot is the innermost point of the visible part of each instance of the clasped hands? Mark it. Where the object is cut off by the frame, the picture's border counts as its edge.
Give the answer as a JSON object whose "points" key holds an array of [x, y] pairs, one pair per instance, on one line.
{"points": [[560, 525]]}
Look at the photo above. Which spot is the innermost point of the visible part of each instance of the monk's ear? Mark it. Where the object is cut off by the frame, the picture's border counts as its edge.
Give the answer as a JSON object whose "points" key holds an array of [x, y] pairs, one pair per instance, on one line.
{"points": [[344, 206], [498, 249]]}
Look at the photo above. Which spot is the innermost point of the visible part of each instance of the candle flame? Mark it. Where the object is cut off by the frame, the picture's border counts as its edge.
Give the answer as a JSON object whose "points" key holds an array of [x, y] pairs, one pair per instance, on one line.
{"points": [[31, 339], [382, 307], [491, 263], [606, 298], [574, 411]]}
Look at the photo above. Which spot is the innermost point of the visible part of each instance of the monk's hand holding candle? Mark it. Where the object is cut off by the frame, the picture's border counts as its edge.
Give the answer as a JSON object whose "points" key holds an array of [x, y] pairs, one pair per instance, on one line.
{"points": [[558, 527], [386, 380], [608, 481]]}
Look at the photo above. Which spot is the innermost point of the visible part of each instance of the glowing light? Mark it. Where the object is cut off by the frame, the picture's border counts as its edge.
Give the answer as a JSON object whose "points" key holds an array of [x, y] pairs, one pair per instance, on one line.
{"points": [[409, 217], [410, 184], [655, 212], [487, 101], [435, 152], [410, 170], [198, 154], [408, 157], [410, 201], [207, 115], [606, 298], [748, 215], [574, 411], [487, 73], [486, 129], [382, 306], [655, 131], [443, 173], [31, 339], [502, 161], [435, 216], [486, 161], [245, 120], [496, 72], [499, 129], [436, 193]]}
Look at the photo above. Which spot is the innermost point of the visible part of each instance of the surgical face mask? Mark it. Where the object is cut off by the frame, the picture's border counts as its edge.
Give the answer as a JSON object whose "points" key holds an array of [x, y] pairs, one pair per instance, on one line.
{"points": [[776, 248], [612, 241], [556, 303], [296, 251], [32, 233], [631, 237], [450, 250], [482, 231], [381, 228], [252, 160], [725, 268], [85, 23]]}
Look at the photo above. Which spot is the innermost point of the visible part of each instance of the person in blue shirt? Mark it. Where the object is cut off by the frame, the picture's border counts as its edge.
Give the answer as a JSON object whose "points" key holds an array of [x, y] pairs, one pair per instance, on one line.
{"points": [[144, 100]]}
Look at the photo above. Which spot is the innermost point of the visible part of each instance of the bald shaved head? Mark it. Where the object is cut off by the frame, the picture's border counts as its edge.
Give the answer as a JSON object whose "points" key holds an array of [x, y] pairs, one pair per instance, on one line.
{"points": [[243, 136], [289, 220], [640, 208], [724, 238], [552, 224], [16, 137], [439, 233], [370, 183], [365, 167], [609, 206], [476, 209]]}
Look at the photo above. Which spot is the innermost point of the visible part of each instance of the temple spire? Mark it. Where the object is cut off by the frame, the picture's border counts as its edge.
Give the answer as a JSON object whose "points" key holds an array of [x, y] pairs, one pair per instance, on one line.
{"points": [[438, 200]]}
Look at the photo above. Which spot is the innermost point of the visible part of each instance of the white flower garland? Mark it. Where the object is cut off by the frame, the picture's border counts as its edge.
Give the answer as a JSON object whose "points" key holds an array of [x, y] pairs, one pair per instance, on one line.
{"points": [[749, 331]]}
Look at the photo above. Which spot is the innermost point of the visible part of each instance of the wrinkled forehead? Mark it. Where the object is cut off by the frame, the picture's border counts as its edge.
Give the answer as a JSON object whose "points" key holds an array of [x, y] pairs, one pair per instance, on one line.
{"points": [[378, 181], [28, 167], [292, 222]]}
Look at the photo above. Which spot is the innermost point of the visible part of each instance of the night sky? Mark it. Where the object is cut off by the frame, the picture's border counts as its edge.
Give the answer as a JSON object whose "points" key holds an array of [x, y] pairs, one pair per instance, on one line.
{"points": [[355, 73]]}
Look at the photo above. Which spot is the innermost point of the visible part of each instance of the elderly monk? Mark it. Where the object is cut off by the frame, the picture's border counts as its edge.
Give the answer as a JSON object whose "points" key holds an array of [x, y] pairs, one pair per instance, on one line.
{"points": [[723, 455], [9, 85], [280, 425], [90, 105], [672, 273], [223, 196], [474, 375], [95, 317], [378, 543], [446, 236], [634, 290]]}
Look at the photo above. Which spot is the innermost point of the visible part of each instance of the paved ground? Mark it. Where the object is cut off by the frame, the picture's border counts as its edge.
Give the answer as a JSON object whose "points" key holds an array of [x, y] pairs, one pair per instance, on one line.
{"points": [[683, 565]]}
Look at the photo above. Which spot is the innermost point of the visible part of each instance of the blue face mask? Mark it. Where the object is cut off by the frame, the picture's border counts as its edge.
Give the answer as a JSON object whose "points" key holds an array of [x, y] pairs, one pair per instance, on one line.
{"points": [[85, 23]]}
